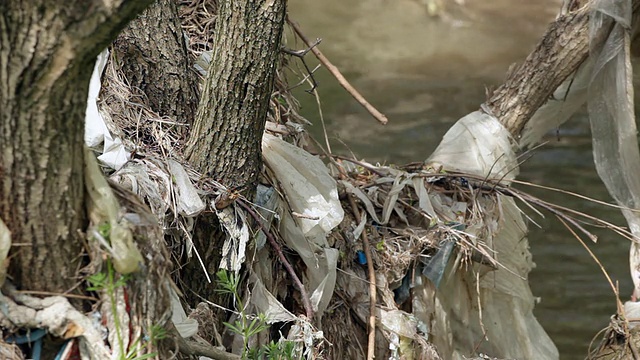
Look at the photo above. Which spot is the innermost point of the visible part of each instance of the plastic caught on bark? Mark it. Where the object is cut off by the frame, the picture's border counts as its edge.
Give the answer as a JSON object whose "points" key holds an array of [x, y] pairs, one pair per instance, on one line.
{"points": [[611, 113], [189, 202], [306, 183], [234, 247], [564, 102], [477, 144], [113, 152]]}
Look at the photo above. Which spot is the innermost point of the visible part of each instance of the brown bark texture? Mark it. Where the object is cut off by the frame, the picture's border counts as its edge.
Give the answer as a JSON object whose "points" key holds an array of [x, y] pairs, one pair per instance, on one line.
{"points": [[152, 53], [47, 52], [563, 48], [225, 141]]}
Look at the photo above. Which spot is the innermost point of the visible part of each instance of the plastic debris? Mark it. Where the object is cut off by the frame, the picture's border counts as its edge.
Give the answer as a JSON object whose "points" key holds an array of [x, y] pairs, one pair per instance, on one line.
{"points": [[477, 144], [189, 202], [311, 193], [234, 247], [267, 304], [267, 202], [361, 257], [186, 327], [113, 152], [309, 189], [611, 113], [435, 266]]}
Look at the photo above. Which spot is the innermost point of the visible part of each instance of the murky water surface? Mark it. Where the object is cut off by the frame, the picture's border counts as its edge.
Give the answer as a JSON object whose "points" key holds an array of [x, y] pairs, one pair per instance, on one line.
{"points": [[424, 74]]}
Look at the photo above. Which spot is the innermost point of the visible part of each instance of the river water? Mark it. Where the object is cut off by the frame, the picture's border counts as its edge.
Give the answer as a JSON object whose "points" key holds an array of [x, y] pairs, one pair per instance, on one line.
{"points": [[424, 73]]}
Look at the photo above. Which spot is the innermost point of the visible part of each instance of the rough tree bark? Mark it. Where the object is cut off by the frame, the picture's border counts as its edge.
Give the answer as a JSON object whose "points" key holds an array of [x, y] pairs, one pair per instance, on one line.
{"points": [[564, 46], [227, 133], [225, 140], [152, 53], [47, 51]]}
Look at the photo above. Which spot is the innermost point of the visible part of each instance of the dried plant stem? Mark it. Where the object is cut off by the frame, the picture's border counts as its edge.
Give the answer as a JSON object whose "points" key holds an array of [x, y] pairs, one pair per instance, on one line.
{"points": [[597, 261], [371, 345], [296, 280], [338, 75]]}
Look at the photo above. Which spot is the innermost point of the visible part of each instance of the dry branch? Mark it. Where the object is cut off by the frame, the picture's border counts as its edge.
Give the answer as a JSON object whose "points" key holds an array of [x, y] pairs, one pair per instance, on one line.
{"points": [[296, 280], [338, 75]]}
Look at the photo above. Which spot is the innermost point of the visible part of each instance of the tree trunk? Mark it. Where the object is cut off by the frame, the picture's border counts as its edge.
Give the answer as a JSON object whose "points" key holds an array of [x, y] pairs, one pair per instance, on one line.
{"points": [[225, 141], [152, 53], [47, 50]]}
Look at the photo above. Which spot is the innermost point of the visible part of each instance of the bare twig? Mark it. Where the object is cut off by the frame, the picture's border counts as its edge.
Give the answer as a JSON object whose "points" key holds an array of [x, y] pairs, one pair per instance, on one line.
{"points": [[597, 261], [338, 75], [47, 293], [360, 163], [300, 55], [296, 280], [372, 284]]}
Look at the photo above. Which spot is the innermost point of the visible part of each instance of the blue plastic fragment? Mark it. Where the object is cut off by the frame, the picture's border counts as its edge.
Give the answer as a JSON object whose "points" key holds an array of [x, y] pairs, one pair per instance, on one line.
{"points": [[32, 336], [361, 257], [29, 337]]}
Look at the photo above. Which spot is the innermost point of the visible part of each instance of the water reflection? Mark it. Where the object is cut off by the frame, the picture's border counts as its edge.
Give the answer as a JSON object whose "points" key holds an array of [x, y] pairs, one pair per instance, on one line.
{"points": [[424, 74]]}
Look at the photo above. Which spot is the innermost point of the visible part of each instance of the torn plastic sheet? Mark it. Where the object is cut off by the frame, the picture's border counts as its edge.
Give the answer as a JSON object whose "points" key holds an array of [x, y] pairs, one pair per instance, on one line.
{"points": [[188, 200], [321, 262], [611, 114], [312, 193], [434, 268], [235, 245], [103, 208], [477, 144], [306, 183], [95, 127], [267, 304], [114, 153], [186, 327], [505, 298]]}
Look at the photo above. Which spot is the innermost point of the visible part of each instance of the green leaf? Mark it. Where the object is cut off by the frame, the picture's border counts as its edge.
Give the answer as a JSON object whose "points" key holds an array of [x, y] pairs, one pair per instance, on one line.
{"points": [[237, 328]]}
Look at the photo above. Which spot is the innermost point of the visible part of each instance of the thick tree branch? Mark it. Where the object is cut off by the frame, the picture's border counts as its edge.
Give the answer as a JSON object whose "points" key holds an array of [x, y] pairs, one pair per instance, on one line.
{"points": [[563, 48]]}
